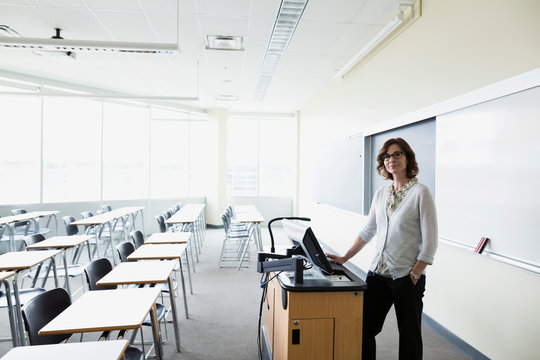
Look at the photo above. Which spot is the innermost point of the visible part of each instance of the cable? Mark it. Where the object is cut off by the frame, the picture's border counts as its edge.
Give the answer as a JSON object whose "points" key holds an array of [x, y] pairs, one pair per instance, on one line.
{"points": [[264, 287]]}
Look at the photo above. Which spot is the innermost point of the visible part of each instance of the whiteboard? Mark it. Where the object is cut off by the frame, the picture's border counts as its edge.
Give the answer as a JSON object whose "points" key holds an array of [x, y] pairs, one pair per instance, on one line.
{"points": [[421, 137], [488, 171], [338, 174]]}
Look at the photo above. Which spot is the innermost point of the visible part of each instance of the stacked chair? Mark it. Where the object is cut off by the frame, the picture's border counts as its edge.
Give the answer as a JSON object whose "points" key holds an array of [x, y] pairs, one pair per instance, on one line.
{"points": [[235, 247]]}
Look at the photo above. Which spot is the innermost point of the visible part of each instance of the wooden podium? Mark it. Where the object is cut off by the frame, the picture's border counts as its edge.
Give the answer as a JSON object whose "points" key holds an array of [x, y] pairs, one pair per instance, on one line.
{"points": [[319, 319]]}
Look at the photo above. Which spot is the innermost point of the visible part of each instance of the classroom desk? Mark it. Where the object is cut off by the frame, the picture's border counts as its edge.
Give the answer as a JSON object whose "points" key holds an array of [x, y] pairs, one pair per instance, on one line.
{"points": [[17, 262], [4, 275], [191, 217], [178, 237], [164, 252], [109, 310], [34, 216], [91, 350], [111, 219], [63, 243], [254, 219], [146, 272]]}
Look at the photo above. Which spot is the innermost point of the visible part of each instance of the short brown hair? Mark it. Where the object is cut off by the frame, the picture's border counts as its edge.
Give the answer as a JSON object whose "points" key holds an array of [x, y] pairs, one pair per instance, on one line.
{"points": [[412, 166]]}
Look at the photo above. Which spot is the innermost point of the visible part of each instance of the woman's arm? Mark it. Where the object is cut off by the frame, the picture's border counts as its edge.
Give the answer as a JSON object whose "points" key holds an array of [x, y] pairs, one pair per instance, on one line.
{"points": [[358, 244]]}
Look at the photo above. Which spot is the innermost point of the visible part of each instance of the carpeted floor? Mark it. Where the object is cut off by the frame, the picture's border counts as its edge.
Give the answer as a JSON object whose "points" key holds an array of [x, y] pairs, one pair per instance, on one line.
{"points": [[224, 311]]}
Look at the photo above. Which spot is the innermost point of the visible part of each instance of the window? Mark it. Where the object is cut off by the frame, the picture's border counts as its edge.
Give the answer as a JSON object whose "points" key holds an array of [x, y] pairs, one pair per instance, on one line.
{"points": [[20, 147], [125, 152], [71, 150], [169, 154], [243, 157], [277, 158], [261, 157], [199, 172]]}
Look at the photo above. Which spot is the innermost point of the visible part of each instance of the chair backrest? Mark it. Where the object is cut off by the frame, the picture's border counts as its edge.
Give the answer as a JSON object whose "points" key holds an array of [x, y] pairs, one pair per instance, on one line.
{"points": [[33, 239], [161, 222], [137, 237], [106, 208], [95, 270], [18, 212], [40, 310], [86, 215], [124, 250], [224, 219], [70, 229]]}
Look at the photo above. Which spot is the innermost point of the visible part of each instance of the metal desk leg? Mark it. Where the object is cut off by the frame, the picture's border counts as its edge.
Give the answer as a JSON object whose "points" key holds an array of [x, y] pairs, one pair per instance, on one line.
{"points": [[183, 287], [188, 271], [155, 332], [21, 339], [10, 314], [174, 313], [66, 270]]}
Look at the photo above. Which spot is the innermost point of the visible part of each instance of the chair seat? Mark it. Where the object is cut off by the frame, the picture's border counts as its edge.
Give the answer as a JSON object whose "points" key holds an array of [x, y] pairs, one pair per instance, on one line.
{"points": [[161, 311], [25, 295], [133, 353]]}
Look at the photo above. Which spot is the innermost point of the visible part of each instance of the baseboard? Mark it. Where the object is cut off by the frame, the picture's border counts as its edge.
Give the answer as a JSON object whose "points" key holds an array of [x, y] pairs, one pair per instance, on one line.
{"points": [[211, 226], [453, 339]]}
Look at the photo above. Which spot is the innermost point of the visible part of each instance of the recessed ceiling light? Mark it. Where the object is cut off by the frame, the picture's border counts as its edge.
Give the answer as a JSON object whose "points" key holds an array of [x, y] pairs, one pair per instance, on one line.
{"points": [[226, 97], [224, 42]]}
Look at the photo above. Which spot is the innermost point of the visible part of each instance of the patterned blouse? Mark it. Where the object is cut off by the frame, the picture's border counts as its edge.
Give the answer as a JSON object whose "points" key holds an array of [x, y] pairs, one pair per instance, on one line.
{"points": [[392, 202]]}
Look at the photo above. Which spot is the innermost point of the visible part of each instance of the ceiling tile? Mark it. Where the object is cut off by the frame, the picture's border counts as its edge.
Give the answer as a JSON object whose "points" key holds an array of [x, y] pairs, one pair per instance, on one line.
{"points": [[118, 5], [224, 26], [228, 8], [333, 11], [377, 12], [127, 26]]}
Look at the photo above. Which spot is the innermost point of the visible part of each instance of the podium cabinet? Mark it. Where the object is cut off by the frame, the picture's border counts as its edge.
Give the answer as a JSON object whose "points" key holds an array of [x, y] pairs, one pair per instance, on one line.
{"points": [[325, 323]]}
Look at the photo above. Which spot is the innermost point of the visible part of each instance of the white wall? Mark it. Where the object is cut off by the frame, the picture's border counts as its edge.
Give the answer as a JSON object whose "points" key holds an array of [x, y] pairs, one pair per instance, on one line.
{"points": [[455, 47]]}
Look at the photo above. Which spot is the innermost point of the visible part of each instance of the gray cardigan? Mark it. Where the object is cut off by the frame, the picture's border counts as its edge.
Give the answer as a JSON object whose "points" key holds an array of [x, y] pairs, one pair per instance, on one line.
{"points": [[409, 235]]}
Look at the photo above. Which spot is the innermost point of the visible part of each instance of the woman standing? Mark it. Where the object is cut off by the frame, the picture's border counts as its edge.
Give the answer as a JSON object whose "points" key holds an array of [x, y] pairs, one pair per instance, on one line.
{"points": [[404, 218]]}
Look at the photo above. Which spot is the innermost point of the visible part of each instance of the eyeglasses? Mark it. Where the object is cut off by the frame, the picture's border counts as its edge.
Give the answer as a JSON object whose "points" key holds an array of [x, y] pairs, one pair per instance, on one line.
{"points": [[395, 155]]}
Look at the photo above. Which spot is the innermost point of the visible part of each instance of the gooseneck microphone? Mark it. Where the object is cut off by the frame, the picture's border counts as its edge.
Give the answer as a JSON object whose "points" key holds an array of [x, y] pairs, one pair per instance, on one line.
{"points": [[272, 247]]}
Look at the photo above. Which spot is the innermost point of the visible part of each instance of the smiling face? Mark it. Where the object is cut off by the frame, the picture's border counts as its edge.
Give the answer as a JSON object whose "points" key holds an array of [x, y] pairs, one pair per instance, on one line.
{"points": [[396, 167]]}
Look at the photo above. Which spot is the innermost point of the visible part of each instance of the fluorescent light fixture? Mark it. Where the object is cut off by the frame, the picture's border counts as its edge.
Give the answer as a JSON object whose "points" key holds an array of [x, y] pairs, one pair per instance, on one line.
{"points": [[224, 42], [377, 39], [288, 18], [64, 45]]}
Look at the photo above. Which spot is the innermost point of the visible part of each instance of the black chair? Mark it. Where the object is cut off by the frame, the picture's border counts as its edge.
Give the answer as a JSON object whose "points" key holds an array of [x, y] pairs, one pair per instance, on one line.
{"points": [[39, 311], [70, 229], [74, 270], [96, 269], [161, 223], [124, 250], [25, 227], [137, 237]]}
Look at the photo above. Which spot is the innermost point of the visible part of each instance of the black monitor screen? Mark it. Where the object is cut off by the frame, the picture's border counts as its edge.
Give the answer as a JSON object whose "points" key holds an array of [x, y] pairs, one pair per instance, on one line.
{"points": [[315, 252]]}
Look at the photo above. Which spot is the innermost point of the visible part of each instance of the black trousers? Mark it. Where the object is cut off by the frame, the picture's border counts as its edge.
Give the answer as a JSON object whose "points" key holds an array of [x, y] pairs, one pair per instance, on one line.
{"points": [[406, 297]]}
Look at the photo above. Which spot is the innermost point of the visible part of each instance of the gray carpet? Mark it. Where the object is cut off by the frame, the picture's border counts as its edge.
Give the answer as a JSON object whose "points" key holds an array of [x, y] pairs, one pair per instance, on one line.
{"points": [[224, 313]]}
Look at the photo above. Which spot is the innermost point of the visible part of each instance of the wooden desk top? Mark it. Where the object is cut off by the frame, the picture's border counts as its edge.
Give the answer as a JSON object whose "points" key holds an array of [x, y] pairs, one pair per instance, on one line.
{"points": [[104, 310], [249, 218], [57, 242], [158, 252], [21, 260], [91, 350], [178, 237], [6, 275], [189, 213], [26, 216], [141, 272], [108, 216]]}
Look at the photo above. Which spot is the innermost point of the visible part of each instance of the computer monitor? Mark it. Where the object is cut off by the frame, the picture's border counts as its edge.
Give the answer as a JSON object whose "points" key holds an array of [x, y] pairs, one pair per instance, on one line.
{"points": [[302, 235]]}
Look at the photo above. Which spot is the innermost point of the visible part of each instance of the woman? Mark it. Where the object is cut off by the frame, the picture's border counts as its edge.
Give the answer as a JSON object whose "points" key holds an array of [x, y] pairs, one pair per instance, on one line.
{"points": [[404, 218]]}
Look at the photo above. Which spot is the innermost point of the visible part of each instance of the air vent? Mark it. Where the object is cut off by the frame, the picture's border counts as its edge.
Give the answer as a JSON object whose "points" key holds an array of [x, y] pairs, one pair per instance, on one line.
{"points": [[224, 42]]}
